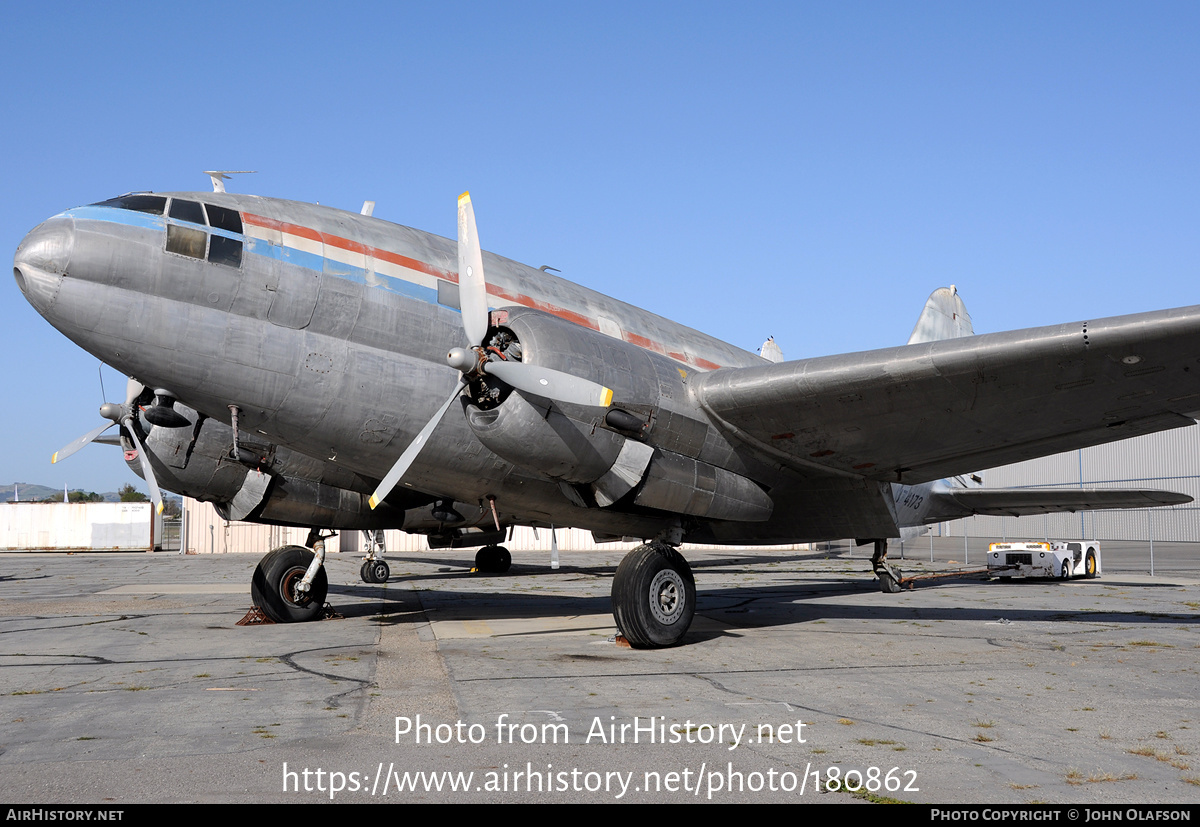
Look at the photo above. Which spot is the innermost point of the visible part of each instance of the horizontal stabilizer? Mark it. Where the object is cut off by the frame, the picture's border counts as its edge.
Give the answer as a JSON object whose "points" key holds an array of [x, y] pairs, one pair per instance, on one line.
{"points": [[954, 503]]}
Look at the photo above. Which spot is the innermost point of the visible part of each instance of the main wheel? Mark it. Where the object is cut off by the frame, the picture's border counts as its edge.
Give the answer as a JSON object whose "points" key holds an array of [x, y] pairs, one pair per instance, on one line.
{"points": [[1089, 565], [493, 559], [274, 586], [379, 571], [503, 560], [364, 572], [653, 596]]}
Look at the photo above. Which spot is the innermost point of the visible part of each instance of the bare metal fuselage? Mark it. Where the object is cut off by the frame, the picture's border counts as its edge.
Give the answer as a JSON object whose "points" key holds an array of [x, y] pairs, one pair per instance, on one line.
{"points": [[330, 336]]}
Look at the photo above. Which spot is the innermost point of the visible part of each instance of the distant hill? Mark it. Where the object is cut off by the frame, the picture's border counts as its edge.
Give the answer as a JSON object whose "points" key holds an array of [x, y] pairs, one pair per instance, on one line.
{"points": [[31, 492]]}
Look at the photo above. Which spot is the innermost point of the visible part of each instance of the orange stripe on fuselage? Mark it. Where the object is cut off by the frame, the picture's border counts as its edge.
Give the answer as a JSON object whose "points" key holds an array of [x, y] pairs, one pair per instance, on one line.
{"points": [[422, 267]]}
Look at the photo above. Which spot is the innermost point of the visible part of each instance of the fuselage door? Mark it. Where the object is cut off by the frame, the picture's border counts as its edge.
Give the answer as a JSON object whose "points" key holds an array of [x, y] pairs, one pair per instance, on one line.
{"points": [[301, 261]]}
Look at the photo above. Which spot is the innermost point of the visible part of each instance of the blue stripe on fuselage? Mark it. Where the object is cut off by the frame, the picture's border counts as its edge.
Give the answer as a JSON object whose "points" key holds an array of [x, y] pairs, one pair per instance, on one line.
{"points": [[260, 247]]}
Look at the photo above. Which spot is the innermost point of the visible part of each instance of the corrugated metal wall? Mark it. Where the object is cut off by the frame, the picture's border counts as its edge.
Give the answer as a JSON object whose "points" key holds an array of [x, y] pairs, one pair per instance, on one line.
{"points": [[1169, 461]]}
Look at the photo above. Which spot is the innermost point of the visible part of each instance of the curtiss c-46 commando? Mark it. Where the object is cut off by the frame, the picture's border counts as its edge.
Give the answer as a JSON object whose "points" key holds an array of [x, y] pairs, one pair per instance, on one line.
{"points": [[301, 365]]}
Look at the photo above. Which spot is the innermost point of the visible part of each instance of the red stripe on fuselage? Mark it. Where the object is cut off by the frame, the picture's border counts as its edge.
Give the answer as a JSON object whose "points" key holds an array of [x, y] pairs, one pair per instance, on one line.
{"points": [[422, 267]]}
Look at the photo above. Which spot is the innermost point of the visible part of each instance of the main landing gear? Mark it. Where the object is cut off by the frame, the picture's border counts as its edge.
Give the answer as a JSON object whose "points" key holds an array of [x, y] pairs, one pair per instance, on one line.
{"points": [[493, 559], [653, 596], [276, 587], [290, 583]]}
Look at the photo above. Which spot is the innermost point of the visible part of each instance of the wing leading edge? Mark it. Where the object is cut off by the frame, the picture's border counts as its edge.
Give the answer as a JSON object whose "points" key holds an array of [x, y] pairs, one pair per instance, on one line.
{"points": [[922, 412]]}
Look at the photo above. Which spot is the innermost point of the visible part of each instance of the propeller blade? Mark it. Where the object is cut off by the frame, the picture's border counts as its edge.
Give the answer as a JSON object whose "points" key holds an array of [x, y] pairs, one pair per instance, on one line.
{"points": [[410, 453], [472, 288], [63, 453], [147, 470], [552, 384]]}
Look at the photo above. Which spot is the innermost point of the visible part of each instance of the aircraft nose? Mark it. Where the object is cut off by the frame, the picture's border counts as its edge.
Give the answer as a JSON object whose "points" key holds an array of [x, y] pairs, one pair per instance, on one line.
{"points": [[41, 260]]}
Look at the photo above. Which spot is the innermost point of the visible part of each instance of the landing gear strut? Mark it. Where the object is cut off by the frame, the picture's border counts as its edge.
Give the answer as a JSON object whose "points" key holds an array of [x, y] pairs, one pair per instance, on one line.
{"points": [[374, 569], [653, 596], [889, 576]]}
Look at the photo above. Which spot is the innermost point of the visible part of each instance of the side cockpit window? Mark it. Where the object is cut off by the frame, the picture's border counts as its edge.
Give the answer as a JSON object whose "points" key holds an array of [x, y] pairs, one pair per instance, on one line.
{"points": [[187, 211], [192, 241], [224, 219], [222, 249]]}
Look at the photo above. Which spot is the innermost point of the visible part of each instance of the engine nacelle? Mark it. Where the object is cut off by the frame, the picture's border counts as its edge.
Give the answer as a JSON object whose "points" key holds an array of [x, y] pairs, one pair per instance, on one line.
{"points": [[266, 483], [536, 434], [619, 450]]}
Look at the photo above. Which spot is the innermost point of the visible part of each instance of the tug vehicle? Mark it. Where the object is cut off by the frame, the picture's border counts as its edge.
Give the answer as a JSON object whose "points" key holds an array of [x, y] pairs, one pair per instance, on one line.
{"points": [[1058, 558]]}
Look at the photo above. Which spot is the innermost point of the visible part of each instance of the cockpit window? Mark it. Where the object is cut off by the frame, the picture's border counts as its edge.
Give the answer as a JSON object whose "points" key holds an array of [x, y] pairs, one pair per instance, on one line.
{"points": [[224, 219], [153, 204], [186, 241], [187, 211], [222, 250], [195, 243]]}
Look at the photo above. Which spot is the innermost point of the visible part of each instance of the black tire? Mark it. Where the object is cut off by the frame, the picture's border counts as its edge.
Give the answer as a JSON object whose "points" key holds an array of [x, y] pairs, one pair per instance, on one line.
{"points": [[653, 597], [483, 559], [493, 559], [379, 571], [365, 573], [1066, 569], [1089, 565], [503, 560], [273, 586], [887, 583]]}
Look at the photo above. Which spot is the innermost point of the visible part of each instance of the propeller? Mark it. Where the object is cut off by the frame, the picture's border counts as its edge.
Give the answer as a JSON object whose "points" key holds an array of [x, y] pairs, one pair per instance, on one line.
{"points": [[475, 361], [124, 416]]}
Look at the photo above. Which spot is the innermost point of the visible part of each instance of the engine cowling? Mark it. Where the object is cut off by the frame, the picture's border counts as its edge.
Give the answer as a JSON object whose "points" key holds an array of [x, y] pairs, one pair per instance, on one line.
{"points": [[614, 451]]}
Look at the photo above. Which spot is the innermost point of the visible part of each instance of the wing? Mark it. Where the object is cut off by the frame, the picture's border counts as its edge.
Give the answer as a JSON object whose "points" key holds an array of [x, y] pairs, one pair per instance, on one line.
{"points": [[922, 412], [953, 503]]}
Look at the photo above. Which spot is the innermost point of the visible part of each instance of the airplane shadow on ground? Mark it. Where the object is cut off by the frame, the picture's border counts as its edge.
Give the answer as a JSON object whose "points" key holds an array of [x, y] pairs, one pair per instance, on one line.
{"points": [[731, 609]]}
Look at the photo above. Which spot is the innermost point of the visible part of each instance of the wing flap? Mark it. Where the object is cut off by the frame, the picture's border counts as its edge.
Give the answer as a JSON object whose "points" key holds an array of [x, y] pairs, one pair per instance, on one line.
{"points": [[926, 411]]}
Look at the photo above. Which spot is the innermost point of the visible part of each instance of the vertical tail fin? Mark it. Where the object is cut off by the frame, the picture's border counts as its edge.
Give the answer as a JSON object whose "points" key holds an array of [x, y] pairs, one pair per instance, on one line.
{"points": [[944, 317]]}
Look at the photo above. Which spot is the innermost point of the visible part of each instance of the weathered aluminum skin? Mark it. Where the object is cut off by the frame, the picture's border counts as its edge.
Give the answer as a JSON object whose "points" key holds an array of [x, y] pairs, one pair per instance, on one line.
{"points": [[331, 339]]}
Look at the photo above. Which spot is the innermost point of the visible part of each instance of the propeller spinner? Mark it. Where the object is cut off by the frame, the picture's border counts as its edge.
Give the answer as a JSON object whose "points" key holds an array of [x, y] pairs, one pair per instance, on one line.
{"points": [[474, 361]]}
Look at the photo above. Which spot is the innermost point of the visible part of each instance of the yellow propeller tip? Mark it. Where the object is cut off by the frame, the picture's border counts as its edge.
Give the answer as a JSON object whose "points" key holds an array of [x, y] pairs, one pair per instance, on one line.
{"points": [[54, 458], [466, 196], [372, 502], [606, 398]]}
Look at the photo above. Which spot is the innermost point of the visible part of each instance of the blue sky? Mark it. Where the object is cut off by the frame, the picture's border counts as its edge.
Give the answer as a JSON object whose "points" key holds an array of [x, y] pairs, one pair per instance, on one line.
{"points": [[808, 171]]}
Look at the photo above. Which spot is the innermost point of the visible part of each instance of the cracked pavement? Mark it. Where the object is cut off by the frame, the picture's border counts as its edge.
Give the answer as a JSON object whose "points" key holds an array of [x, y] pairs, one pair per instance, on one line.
{"points": [[125, 679]]}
